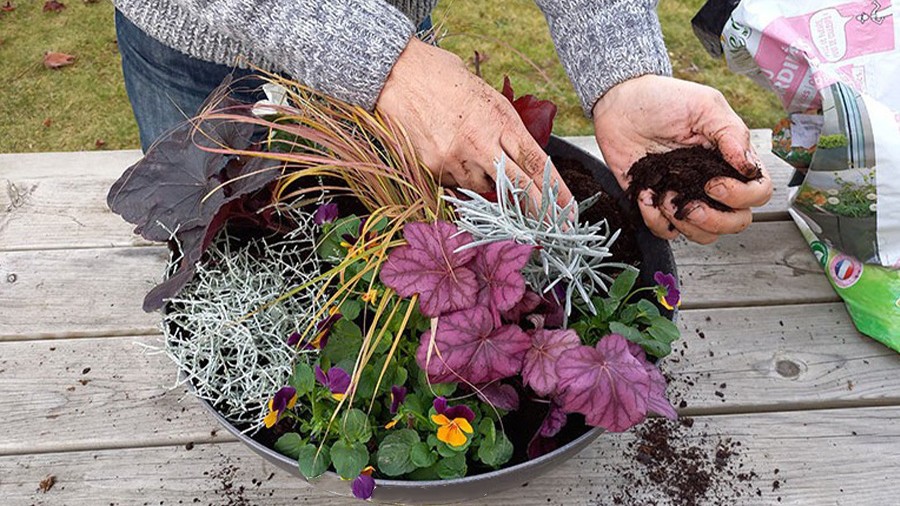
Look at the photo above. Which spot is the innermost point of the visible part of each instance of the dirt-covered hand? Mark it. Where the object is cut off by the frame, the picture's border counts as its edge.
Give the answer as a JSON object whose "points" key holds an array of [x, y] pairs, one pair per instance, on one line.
{"points": [[655, 114], [458, 124]]}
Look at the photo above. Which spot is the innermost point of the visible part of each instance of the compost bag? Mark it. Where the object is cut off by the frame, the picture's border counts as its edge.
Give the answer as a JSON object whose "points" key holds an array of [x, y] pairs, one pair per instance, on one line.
{"points": [[835, 66]]}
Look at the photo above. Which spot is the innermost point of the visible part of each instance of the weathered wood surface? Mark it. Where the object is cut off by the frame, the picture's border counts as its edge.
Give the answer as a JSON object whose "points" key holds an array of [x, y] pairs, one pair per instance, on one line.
{"points": [[773, 358], [58, 200], [831, 457], [67, 293], [57, 293]]}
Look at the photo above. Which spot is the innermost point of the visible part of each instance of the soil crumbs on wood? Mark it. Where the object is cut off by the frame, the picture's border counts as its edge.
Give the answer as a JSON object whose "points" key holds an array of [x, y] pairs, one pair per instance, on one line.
{"points": [[47, 483], [673, 463]]}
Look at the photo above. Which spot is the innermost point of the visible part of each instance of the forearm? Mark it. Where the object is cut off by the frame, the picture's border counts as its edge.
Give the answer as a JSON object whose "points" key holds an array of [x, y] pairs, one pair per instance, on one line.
{"points": [[606, 42], [342, 48]]}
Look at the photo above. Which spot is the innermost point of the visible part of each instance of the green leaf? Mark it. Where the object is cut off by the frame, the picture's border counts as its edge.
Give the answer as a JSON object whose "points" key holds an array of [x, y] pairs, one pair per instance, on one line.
{"points": [[350, 309], [425, 473], [496, 453], [313, 463], [422, 456], [628, 314], [628, 332], [448, 451], [444, 389], [648, 309], [394, 453], [290, 444], [349, 458], [488, 431], [621, 287], [356, 426], [329, 246], [656, 348], [303, 378], [344, 342], [452, 467], [664, 330]]}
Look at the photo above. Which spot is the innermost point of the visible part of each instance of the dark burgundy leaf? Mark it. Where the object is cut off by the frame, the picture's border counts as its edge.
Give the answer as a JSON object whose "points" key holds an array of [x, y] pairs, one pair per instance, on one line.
{"points": [[607, 384], [526, 305], [171, 190], [537, 115], [53, 6], [502, 396], [554, 421], [431, 267], [466, 344], [539, 368], [498, 266]]}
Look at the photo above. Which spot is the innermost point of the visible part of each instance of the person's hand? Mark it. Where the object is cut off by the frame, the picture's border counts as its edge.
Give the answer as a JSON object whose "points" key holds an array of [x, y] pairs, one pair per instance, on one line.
{"points": [[459, 125], [654, 114]]}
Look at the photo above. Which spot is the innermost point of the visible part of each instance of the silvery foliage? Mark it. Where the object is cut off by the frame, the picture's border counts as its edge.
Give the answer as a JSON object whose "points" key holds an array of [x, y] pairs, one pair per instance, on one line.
{"points": [[570, 252], [225, 334]]}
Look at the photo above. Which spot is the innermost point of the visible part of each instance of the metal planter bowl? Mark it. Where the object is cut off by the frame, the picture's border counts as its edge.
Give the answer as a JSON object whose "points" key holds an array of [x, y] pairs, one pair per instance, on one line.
{"points": [[656, 256]]}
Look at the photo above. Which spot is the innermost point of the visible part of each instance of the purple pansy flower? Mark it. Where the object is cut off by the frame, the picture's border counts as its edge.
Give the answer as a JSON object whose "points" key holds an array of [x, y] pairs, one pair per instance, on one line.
{"points": [[326, 213], [284, 399], [364, 485], [667, 292], [336, 380], [398, 395], [323, 328], [461, 411], [293, 339]]}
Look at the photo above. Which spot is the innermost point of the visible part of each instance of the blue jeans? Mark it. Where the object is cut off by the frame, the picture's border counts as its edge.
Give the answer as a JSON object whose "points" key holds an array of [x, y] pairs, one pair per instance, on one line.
{"points": [[165, 86]]}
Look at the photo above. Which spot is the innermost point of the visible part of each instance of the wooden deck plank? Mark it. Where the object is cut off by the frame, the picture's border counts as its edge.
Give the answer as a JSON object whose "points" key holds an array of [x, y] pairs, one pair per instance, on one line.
{"points": [[63, 293], [774, 358], [58, 200], [92, 292], [834, 457], [58, 394]]}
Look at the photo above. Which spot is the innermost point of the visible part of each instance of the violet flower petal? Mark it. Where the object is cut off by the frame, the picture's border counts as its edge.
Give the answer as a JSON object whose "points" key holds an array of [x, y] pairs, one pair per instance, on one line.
{"points": [[398, 395], [363, 486], [326, 213]]}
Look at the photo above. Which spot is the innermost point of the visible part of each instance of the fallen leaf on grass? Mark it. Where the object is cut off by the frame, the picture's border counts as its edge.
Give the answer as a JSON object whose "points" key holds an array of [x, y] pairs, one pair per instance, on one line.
{"points": [[54, 60], [53, 6], [99, 143], [47, 122], [7, 7], [47, 483]]}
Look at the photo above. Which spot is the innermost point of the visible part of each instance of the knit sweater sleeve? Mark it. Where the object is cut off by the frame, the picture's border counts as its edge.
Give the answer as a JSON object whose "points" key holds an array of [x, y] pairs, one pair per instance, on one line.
{"points": [[602, 43], [342, 48]]}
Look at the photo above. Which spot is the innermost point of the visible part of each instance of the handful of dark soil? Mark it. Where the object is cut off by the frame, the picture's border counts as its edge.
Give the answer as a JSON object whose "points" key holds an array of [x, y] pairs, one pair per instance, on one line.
{"points": [[684, 171]]}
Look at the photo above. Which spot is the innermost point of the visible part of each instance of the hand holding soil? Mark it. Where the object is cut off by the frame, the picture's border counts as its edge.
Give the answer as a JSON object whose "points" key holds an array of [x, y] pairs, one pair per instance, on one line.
{"points": [[656, 114], [459, 124]]}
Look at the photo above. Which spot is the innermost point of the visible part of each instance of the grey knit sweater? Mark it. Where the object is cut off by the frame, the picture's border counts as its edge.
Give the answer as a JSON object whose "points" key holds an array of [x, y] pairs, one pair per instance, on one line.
{"points": [[346, 48]]}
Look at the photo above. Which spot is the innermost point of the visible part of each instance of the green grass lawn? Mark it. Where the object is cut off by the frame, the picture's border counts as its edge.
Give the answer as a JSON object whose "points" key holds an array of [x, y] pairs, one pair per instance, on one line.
{"points": [[84, 106]]}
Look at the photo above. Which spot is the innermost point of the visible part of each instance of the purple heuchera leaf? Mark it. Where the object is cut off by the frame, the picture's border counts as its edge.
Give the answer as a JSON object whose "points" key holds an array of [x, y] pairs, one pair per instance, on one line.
{"points": [[657, 402], [554, 421], [526, 305], [431, 267], [335, 380], [500, 395], [607, 384], [326, 213], [460, 411], [539, 368], [467, 344], [363, 486], [498, 267], [555, 314]]}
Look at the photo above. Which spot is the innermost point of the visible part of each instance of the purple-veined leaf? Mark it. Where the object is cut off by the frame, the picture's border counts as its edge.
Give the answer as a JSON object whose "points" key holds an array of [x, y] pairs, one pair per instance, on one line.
{"points": [[498, 266], [607, 384], [657, 402], [430, 266], [539, 368], [467, 346], [500, 395]]}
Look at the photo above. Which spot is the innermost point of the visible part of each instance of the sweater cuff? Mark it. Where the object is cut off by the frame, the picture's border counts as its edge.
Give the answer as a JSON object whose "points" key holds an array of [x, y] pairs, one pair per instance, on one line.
{"points": [[602, 44]]}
